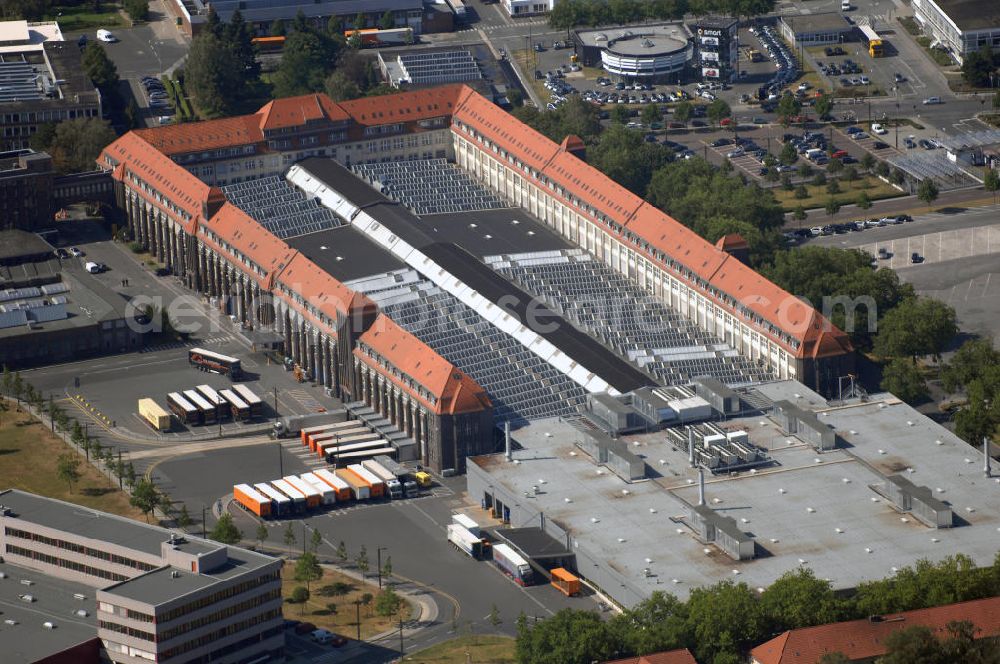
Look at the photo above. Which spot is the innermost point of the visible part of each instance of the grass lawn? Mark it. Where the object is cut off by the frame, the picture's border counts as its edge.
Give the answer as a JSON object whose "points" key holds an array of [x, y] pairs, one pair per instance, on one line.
{"points": [[875, 188], [83, 17], [28, 459], [910, 24], [344, 620], [481, 648]]}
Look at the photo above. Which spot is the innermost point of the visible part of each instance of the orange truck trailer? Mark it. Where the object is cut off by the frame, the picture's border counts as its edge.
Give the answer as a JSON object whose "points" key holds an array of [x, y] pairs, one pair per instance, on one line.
{"points": [[315, 440], [342, 488], [359, 488], [313, 497], [375, 485], [565, 582], [252, 501], [311, 434]]}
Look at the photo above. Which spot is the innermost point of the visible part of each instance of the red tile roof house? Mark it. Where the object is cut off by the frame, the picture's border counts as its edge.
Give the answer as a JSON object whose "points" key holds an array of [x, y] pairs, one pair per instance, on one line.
{"points": [[682, 656], [864, 640]]}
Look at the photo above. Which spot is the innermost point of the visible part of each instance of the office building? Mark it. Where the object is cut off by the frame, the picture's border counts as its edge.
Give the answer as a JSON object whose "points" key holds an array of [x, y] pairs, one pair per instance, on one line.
{"points": [[960, 26]]}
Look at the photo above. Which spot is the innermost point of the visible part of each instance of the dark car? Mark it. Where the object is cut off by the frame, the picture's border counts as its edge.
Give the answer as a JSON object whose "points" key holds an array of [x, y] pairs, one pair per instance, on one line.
{"points": [[925, 144], [848, 160], [879, 145], [305, 628], [904, 217], [62, 253], [916, 258], [538, 75], [162, 271], [698, 123], [338, 641]]}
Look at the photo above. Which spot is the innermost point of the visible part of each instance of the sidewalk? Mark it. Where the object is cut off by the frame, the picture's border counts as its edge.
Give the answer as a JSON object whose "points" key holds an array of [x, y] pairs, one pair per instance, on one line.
{"points": [[958, 198]]}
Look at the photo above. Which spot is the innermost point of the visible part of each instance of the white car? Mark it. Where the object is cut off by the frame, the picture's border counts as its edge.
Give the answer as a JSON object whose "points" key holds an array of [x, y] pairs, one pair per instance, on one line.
{"points": [[932, 100], [879, 129], [106, 36]]}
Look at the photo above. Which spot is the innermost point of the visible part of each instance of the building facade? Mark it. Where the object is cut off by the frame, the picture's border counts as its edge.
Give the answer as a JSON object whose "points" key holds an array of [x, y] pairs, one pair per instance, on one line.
{"points": [[159, 596], [961, 26], [717, 42], [658, 52], [515, 8], [26, 180]]}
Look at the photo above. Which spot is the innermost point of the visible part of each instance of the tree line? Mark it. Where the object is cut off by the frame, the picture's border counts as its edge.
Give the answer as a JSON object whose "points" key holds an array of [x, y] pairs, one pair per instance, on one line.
{"points": [[720, 623], [571, 13]]}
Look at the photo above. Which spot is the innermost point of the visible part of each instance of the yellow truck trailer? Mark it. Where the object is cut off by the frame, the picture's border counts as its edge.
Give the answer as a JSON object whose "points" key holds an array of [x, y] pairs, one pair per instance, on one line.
{"points": [[154, 416]]}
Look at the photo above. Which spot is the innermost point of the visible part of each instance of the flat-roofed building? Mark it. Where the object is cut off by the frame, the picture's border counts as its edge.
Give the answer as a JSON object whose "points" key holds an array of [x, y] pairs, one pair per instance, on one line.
{"points": [[26, 179], [159, 596], [960, 26]]}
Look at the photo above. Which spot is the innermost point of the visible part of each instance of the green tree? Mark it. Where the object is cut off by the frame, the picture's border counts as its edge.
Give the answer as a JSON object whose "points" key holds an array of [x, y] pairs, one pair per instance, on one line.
{"points": [[340, 88], [819, 179], [289, 536], [387, 22], [77, 144], [184, 518], [655, 624], [387, 569], [317, 540], [723, 619], [278, 28], [261, 534], [862, 201], [978, 66], [897, 177], [833, 186], [868, 162], [789, 155], [166, 504], [832, 206], [342, 552], [850, 174], [388, 603], [76, 433], [238, 35], [799, 213], [494, 618], [823, 106], [834, 166], [788, 108], [882, 169], [651, 113], [213, 76], [928, 191], [145, 497], [918, 326], [99, 67], [801, 192], [68, 469], [991, 180], [307, 569], [619, 115], [786, 182], [213, 23], [682, 111], [568, 637], [138, 10], [903, 379], [362, 561], [835, 657], [798, 599], [623, 155], [305, 62], [805, 170], [300, 595], [717, 110], [225, 530]]}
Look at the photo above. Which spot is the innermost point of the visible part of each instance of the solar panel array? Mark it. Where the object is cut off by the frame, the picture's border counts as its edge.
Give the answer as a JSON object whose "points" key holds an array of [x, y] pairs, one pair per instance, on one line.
{"points": [[439, 67], [279, 207], [623, 316], [19, 81], [13, 314], [430, 186], [936, 166], [521, 385]]}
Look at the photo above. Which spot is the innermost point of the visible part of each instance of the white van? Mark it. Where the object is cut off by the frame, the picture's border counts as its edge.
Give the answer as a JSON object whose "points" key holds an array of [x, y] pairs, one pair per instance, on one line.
{"points": [[92, 267], [845, 5], [106, 36]]}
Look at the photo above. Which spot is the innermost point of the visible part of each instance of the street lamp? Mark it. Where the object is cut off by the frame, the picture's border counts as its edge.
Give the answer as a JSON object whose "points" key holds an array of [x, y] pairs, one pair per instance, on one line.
{"points": [[378, 554]]}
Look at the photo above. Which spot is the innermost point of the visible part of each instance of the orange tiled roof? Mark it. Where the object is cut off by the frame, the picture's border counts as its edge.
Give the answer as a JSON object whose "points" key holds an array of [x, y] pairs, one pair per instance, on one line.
{"points": [[319, 289], [295, 111], [404, 106], [246, 235], [682, 656], [208, 135], [864, 639], [184, 189], [455, 391]]}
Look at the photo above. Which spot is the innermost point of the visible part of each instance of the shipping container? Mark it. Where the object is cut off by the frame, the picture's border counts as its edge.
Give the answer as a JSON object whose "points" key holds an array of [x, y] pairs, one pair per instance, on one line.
{"points": [[346, 457], [313, 497], [255, 403], [565, 582], [375, 484], [314, 439], [471, 544], [237, 407], [183, 409], [325, 448], [281, 504], [214, 398], [153, 415], [207, 410], [359, 489], [207, 360], [298, 498], [342, 488], [333, 452], [466, 522], [512, 564], [327, 427], [252, 500], [328, 493]]}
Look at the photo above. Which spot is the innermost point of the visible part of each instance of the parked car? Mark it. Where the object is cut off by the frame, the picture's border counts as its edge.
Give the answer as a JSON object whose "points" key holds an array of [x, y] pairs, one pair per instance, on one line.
{"points": [[879, 129], [916, 258], [106, 36], [76, 252], [879, 145], [62, 253], [932, 100]]}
